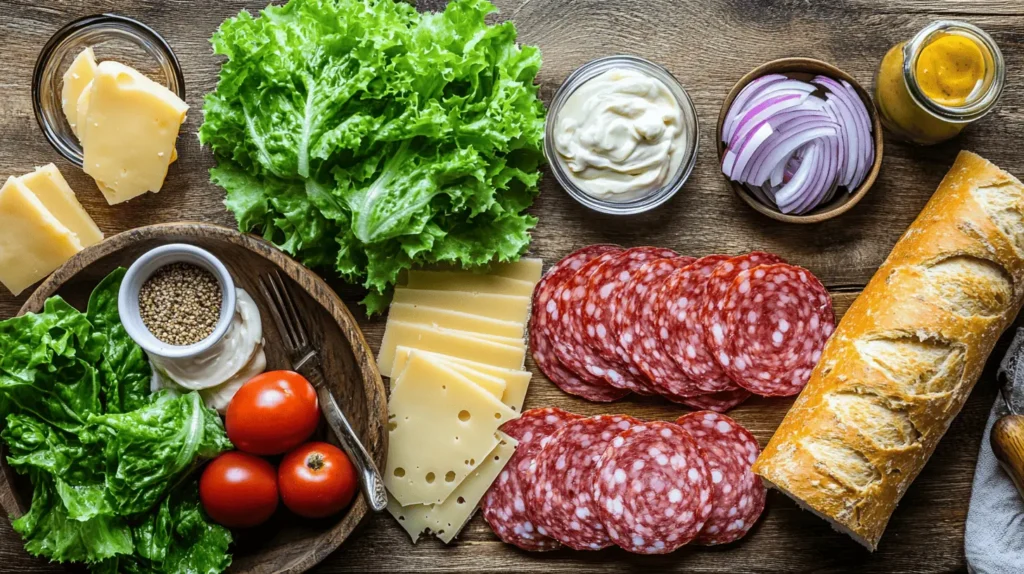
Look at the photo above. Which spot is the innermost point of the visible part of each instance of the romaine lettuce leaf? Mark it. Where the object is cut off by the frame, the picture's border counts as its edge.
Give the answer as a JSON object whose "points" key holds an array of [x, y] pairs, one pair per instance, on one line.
{"points": [[364, 135]]}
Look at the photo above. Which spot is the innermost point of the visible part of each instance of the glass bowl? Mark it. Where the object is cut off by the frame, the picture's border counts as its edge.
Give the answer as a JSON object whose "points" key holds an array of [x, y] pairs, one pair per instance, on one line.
{"points": [[112, 37], [647, 202]]}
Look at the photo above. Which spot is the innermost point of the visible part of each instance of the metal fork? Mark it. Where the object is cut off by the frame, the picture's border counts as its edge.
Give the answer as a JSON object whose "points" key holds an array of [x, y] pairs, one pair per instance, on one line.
{"points": [[307, 363]]}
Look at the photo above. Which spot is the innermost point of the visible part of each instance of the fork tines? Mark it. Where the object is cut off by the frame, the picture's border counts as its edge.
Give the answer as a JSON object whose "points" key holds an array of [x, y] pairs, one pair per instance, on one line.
{"points": [[284, 310]]}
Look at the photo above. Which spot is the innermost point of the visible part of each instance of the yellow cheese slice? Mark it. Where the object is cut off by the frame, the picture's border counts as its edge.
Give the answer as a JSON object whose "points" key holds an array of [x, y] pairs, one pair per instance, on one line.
{"points": [[440, 427], [56, 195], [129, 130], [78, 76], [501, 307], [526, 269], [32, 241], [446, 520], [446, 341], [454, 320], [493, 385], [468, 281]]}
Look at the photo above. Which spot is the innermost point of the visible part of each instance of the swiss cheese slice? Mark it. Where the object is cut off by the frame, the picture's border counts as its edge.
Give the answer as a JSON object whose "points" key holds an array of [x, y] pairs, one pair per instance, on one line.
{"points": [[56, 195], [447, 519], [128, 132], [514, 382], [502, 307], [493, 385], [454, 320], [526, 269], [469, 282], [32, 241], [78, 76], [441, 427], [446, 341]]}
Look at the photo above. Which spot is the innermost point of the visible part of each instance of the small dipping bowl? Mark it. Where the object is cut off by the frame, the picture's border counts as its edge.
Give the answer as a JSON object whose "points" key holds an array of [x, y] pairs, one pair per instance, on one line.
{"points": [[804, 69], [112, 37], [581, 76], [148, 264]]}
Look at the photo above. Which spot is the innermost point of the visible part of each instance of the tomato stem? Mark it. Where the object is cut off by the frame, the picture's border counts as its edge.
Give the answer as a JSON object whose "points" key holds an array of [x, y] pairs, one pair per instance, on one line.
{"points": [[315, 461]]}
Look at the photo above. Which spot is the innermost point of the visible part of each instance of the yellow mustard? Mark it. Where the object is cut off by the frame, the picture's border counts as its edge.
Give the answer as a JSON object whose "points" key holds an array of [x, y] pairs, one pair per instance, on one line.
{"points": [[955, 78]]}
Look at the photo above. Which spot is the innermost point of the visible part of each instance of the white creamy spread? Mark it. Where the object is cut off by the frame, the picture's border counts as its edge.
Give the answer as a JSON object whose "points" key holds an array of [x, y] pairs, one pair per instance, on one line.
{"points": [[222, 369], [621, 135]]}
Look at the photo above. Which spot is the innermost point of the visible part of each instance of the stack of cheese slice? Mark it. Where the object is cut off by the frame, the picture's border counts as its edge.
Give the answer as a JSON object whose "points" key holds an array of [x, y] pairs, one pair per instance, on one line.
{"points": [[127, 124], [454, 348], [41, 226]]}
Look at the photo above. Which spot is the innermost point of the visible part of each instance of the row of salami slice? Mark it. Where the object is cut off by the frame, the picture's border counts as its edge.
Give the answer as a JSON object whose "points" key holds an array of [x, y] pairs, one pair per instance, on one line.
{"points": [[707, 332], [648, 487]]}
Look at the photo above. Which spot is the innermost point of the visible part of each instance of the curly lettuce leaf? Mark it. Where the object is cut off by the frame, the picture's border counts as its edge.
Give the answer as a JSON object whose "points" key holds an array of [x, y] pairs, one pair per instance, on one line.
{"points": [[124, 370], [364, 135]]}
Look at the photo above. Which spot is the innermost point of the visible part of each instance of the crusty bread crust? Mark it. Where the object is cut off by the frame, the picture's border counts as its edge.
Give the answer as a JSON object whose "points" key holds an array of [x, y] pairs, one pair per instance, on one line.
{"points": [[906, 355]]}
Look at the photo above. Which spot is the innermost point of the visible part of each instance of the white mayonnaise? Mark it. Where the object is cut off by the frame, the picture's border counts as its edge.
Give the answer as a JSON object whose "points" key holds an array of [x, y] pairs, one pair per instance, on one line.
{"points": [[621, 135], [219, 371]]}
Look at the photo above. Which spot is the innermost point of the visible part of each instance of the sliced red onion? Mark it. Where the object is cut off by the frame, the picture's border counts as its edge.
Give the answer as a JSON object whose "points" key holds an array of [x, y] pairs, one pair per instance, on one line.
{"points": [[750, 90], [793, 147]]}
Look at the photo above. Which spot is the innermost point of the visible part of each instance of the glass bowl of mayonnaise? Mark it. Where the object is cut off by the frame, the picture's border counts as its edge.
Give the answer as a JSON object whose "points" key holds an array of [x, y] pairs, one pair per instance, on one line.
{"points": [[621, 135]]}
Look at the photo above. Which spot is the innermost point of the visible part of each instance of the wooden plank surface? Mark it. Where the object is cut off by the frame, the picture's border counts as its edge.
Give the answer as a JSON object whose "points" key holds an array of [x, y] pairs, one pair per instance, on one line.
{"points": [[708, 45]]}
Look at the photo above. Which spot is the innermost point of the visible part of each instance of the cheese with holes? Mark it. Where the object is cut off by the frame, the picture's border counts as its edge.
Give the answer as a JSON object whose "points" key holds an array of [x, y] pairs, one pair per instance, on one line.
{"points": [[469, 282], [47, 184], [491, 384], [449, 342], [128, 131], [514, 383], [501, 307], [446, 520], [78, 76], [454, 320], [32, 241], [526, 269], [440, 427]]}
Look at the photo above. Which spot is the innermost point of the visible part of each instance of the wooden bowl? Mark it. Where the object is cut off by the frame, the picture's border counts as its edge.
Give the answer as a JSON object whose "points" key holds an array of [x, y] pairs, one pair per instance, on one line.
{"points": [[286, 543], [805, 69]]}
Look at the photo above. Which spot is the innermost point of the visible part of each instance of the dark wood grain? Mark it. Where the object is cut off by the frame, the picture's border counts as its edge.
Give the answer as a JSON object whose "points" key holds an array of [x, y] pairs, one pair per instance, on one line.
{"points": [[708, 45]]}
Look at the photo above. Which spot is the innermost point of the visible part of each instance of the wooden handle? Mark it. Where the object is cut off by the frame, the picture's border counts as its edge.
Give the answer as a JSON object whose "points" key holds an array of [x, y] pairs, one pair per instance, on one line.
{"points": [[1008, 446]]}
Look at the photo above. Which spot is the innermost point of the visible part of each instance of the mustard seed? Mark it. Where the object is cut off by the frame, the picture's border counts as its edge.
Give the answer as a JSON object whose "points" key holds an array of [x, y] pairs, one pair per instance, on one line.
{"points": [[180, 304]]}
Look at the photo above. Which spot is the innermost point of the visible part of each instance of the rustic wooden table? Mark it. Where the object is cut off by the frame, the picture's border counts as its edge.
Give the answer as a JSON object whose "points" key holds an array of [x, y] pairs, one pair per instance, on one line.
{"points": [[708, 45]]}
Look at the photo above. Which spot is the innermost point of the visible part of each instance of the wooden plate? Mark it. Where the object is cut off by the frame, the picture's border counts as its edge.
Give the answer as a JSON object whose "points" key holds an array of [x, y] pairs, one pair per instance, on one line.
{"points": [[286, 543], [805, 69]]}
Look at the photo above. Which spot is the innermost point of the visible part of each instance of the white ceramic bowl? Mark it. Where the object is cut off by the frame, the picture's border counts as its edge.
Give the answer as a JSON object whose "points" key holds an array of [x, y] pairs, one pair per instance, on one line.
{"points": [[143, 269]]}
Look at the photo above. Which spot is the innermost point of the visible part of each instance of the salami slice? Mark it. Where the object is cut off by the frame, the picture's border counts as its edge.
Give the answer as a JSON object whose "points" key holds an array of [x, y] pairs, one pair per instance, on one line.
{"points": [[561, 505], [545, 318], [602, 308], [654, 489], [713, 302], [681, 331], [504, 504], [775, 320], [720, 402], [569, 344], [640, 337], [739, 495]]}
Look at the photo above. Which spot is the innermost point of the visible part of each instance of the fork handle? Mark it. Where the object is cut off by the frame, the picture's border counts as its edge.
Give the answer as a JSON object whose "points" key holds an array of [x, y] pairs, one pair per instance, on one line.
{"points": [[369, 477]]}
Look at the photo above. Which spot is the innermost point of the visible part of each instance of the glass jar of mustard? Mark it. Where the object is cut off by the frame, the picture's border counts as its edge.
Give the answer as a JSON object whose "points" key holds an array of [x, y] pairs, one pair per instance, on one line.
{"points": [[930, 88]]}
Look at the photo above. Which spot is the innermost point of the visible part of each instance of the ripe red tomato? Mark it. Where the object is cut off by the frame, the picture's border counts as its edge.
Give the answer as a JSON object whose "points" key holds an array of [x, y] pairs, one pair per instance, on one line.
{"points": [[272, 413], [239, 490], [317, 480]]}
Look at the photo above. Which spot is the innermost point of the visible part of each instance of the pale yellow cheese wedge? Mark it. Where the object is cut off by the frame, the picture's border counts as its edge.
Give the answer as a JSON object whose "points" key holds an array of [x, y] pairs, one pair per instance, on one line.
{"points": [[455, 320], [514, 382], [514, 308], [469, 282], [440, 428], [76, 78], [446, 341], [47, 184], [128, 132], [493, 385], [526, 269], [446, 520], [32, 241]]}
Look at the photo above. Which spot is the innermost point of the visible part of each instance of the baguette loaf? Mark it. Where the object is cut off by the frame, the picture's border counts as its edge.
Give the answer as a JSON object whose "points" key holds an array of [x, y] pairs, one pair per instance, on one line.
{"points": [[906, 355]]}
